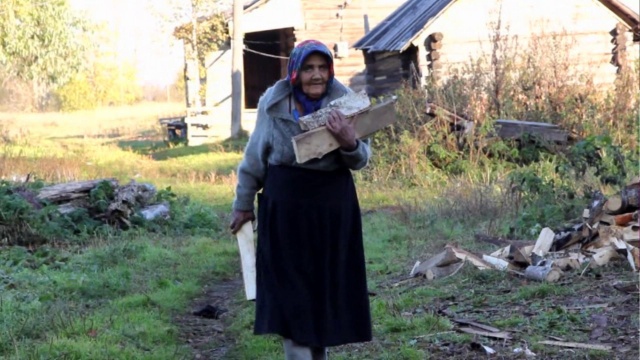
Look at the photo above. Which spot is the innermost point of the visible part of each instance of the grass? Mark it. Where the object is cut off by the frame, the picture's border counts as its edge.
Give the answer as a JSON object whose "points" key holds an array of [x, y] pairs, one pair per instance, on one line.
{"points": [[117, 296]]}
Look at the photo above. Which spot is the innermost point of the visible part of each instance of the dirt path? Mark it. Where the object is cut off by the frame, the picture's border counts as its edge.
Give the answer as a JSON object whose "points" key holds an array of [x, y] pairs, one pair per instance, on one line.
{"points": [[206, 336]]}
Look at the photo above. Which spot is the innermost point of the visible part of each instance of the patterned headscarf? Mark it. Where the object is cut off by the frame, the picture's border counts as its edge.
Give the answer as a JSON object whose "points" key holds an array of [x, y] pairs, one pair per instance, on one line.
{"points": [[296, 59]]}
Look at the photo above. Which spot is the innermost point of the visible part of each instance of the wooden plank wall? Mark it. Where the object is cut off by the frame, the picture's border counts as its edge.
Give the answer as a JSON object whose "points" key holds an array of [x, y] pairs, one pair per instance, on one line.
{"points": [[587, 22], [322, 24]]}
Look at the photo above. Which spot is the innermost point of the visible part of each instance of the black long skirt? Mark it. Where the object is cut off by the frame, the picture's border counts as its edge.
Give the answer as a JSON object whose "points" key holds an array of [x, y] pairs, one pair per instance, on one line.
{"points": [[311, 279]]}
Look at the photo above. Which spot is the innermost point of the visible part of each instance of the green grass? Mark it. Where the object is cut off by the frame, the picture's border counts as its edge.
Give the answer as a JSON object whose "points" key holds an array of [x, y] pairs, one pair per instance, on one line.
{"points": [[112, 300]]}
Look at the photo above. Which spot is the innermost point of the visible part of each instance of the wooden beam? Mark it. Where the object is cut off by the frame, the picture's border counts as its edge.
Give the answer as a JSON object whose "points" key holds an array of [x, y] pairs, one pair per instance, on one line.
{"points": [[247, 259], [318, 142], [577, 345]]}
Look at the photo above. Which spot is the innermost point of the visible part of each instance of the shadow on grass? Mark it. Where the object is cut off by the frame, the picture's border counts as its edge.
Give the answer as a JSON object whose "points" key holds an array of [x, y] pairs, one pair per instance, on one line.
{"points": [[227, 146], [143, 147]]}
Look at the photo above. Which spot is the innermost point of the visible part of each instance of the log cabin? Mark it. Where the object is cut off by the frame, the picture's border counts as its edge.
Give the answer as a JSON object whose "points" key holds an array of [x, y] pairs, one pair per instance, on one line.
{"points": [[425, 40], [273, 27]]}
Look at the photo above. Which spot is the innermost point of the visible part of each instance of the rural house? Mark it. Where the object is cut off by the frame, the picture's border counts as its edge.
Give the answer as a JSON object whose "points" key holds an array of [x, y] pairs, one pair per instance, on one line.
{"points": [[428, 38], [273, 27]]}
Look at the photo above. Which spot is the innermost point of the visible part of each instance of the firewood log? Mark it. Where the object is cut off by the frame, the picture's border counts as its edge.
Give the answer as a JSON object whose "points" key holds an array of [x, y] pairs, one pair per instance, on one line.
{"points": [[625, 201], [543, 273]]}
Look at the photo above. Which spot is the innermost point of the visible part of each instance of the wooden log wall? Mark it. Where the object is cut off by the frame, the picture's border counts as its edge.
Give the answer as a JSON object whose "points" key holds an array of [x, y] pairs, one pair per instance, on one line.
{"points": [[587, 25], [330, 21], [384, 72], [619, 50], [433, 45]]}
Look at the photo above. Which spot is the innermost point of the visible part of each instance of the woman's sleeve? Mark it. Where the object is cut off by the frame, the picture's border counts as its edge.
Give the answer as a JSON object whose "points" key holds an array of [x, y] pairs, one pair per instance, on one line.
{"points": [[359, 157], [253, 167]]}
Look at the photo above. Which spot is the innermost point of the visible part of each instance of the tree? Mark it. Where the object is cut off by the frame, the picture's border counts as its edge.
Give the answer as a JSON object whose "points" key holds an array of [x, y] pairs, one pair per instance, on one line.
{"points": [[211, 32], [176, 19], [42, 43]]}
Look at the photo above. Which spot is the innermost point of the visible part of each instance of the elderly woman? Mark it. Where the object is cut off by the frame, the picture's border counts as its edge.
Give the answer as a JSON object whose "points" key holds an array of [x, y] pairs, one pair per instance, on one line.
{"points": [[311, 280]]}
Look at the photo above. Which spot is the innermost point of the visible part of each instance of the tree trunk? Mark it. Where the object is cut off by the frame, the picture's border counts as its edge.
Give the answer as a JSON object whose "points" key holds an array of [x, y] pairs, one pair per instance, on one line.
{"points": [[69, 191]]}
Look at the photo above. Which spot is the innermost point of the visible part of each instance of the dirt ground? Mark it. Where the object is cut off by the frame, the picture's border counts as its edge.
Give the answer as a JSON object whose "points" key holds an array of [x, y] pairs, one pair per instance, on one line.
{"points": [[597, 309], [206, 336]]}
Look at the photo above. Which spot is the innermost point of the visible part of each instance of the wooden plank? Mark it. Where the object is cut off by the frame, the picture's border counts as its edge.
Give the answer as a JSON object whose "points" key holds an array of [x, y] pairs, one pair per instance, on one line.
{"points": [[497, 263], [542, 245], [476, 324], [577, 345], [247, 259], [318, 142], [498, 335], [470, 257], [525, 123], [510, 131]]}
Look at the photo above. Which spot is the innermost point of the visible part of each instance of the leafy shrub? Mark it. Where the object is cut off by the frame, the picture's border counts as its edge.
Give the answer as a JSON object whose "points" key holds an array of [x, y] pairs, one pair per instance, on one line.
{"points": [[24, 220]]}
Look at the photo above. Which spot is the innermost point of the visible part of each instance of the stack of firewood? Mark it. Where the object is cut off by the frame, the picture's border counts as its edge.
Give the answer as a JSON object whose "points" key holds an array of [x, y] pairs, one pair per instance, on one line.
{"points": [[125, 200], [608, 231]]}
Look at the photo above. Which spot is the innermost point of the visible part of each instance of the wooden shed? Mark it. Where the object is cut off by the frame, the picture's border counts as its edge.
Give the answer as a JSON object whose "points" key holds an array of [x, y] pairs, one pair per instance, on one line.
{"points": [[273, 27], [424, 38]]}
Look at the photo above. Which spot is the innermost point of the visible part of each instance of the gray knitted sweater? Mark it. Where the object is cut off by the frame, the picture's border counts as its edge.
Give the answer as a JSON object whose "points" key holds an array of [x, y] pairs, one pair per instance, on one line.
{"points": [[270, 143]]}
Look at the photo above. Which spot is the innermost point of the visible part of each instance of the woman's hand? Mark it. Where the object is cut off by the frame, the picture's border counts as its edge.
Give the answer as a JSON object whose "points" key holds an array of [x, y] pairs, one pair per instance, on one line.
{"points": [[238, 218], [342, 129]]}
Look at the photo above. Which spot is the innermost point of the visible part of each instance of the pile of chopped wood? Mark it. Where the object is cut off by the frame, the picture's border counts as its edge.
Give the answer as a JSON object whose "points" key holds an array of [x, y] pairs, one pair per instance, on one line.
{"points": [[125, 201], [102, 200], [609, 230]]}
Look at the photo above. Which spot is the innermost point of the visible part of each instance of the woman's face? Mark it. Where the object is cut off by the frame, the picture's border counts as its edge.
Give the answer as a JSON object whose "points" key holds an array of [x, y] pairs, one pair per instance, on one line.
{"points": [[314, 75]]}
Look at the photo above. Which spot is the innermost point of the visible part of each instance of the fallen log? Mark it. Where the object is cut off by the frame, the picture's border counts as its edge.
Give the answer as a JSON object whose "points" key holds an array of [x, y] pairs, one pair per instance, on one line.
{"points": [[318, 142], [625, 201], [543, 273], [71, 190]]}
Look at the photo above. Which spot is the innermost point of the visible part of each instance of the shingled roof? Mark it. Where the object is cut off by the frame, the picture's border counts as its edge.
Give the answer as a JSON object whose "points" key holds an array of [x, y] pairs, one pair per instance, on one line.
{"points": [[406, 23], [397, 30]]}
